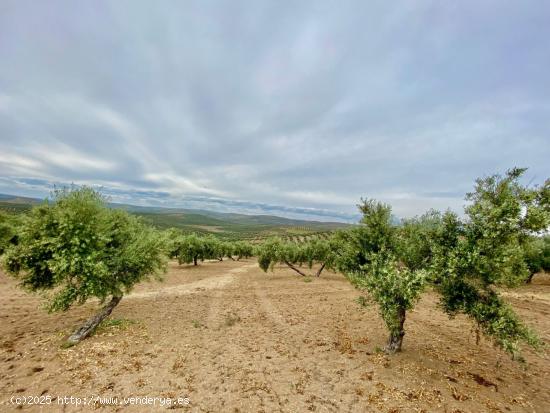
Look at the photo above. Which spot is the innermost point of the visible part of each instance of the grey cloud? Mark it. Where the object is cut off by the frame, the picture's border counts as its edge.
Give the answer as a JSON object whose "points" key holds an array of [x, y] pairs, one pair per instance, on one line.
{"points": [[40, 188], [310, 104]]}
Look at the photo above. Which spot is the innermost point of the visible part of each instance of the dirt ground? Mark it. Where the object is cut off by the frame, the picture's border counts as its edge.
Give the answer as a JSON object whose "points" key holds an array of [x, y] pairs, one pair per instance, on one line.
{"points": [[231, 338]]}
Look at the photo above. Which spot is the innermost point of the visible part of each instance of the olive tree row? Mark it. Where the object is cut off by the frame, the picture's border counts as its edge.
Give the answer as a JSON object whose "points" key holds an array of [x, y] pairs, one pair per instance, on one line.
{"points": [[193, 248], [240, 249], [276, 251]]}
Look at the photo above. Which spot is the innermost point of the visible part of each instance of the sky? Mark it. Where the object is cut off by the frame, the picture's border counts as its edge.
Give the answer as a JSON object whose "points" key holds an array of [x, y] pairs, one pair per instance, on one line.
{"points": [[296, 109]]}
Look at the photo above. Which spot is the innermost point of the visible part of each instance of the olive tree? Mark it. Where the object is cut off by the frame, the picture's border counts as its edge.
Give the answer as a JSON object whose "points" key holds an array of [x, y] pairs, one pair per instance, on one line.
{"points": [[474, 256], [75, 248], [8, 230], [537, 255], [212, 248], [294, 255], [465, 260], [172, 238], [242, 249], [190, 249], [372, 259], [319, 251], [224, 250], [274, 251]]}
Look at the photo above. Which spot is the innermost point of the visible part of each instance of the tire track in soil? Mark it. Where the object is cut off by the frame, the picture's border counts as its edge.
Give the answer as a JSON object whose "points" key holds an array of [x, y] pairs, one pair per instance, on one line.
{"points": [[194, 367], [291, 336], [214, 282], [298, 335], [229, 356], [263, 309], [215, 347]]}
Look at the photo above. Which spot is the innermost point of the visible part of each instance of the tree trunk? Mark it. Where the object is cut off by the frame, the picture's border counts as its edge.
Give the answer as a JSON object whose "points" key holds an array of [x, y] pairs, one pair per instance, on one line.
{"points": [[530, 278], [295, 269], [195, 261], [320, 270], [89, 326], [232, 259], [395, 340]]}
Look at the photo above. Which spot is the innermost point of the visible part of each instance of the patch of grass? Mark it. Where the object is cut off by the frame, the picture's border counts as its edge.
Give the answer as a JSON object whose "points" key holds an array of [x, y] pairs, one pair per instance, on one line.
{"points": [[111, 324], [307, 279], [197, 324]]}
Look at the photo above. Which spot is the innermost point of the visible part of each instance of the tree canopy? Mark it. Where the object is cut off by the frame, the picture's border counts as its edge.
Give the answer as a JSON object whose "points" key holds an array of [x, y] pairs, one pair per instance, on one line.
{"points": [[294, 255], [76, 248], [8, 230], [464, 259]]}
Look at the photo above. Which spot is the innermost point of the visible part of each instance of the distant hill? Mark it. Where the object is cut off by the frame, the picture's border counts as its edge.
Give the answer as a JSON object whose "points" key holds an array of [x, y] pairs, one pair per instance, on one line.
{"points": [[15, 203], [14, 199], [221, 224]]}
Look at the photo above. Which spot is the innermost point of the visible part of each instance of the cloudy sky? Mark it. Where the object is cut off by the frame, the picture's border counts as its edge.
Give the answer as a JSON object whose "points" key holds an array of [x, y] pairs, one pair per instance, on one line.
{"points": [[289, 108]]}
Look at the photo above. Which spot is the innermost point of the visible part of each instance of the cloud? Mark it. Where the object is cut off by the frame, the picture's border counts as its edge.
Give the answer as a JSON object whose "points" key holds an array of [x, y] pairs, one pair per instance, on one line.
{"points": [[41, 188], [251, 105]]}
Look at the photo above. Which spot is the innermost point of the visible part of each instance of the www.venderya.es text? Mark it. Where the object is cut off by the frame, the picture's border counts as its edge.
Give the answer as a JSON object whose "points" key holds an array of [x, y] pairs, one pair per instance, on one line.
{"points": [[96, 400]]}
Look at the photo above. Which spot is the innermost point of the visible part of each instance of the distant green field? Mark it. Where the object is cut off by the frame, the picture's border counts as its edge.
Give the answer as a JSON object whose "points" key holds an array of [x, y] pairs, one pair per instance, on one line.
{"points": [[14, 207], [229, 229], [228, 226]]}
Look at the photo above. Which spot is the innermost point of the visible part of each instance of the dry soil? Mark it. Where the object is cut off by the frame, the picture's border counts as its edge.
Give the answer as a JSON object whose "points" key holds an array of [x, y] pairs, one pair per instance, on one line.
{"points": [[231, 338]]}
